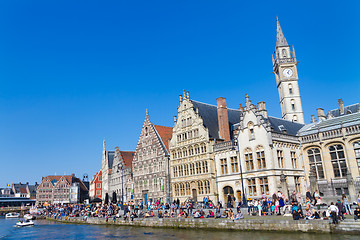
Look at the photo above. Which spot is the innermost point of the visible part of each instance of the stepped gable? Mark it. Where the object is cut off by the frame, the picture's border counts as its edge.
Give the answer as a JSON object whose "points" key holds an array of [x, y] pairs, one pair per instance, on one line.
{"points": [[210, 117], [127, 157], [165, 134], [291, 128]]}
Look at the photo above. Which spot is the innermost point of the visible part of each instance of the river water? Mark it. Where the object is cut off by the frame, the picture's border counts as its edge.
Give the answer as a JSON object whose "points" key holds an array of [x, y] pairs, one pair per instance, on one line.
{"points": [[44, 229]]}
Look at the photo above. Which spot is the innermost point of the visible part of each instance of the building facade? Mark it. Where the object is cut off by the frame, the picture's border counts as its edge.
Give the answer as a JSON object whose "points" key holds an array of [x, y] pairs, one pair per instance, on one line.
{"points": [[61, 189], [116, 174], [95, 190], [24, 190], [331, 151], [151, 163], [197, 127]]}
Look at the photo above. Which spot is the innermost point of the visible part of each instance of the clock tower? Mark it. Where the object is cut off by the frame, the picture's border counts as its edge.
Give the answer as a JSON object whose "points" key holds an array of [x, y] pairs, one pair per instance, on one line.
{"points": [[284, 65]]}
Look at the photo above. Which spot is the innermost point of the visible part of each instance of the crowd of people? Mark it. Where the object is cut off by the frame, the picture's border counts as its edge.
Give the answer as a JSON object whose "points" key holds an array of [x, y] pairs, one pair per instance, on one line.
{"points": [[277, 204]]}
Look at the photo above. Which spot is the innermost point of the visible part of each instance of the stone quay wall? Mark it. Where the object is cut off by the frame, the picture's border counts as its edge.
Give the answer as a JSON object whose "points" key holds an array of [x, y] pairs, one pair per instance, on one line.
{"points": [[282, 225]]}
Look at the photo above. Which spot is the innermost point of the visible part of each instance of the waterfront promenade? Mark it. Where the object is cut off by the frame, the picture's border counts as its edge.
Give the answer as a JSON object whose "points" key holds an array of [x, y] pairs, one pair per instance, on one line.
{"points": [[250, 223]]}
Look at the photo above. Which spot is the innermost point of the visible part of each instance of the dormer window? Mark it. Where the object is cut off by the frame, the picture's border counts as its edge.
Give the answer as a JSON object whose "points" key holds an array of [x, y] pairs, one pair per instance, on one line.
{"points": [[282, 128]]}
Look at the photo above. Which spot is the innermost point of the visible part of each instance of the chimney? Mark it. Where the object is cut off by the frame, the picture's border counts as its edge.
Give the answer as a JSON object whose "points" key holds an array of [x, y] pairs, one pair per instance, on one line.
{"points": [[321, 114], [73, 174], [174, 119], [313, 118], [241, 108], [223, 120], [262, 109], [27, 183], [341, 106]]}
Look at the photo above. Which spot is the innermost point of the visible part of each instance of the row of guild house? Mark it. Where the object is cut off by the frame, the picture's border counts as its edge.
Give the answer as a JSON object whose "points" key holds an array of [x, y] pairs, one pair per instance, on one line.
{"points": [[216, 151]]}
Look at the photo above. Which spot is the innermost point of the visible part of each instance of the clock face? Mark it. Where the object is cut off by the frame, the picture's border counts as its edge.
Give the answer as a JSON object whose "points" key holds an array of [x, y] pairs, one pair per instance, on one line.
{"points": [[288, 72]]}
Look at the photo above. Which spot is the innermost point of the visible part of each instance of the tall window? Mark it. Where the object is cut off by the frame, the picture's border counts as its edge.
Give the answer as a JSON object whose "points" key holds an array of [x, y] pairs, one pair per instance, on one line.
{"points": [[234, 164], [182, 189], [176, 189], [280, 156], [251, 131], [357, 153], [197, 168], [293, 159], [252, 186], [249, 160], [284, 53], [187, 188], [223, 164], [201, 187], [292, 104], [290, 88], [260, 156], [338, 160], [264, 185], [207, 186], [192, 169], [297, 184]]}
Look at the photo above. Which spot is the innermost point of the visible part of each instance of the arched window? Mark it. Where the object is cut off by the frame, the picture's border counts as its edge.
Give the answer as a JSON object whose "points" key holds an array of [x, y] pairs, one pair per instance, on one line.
{"points": [[251, 131], [249, 159], [290, 88], [260, 157], [338, 160], [203, 167], [295, 118], [292, 101], [284, 53], [357, 153], [197, 168]]}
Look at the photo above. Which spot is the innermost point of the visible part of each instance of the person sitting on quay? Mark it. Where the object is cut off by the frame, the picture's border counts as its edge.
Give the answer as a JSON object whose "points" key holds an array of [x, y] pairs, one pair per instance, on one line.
{"points": [[210, 214], [357, 213], [197, 214], [239, 215]]}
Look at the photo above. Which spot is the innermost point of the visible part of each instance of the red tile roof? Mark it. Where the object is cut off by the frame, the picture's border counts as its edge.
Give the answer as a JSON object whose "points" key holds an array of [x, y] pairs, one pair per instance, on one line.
{"points": [[23, 190], [127, 156], [165, 134]]}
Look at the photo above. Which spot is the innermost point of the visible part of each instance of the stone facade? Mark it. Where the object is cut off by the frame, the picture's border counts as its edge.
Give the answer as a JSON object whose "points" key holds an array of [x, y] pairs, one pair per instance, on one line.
{"points": [[151, 163], [331, 148], [117, 174], [192, 165]]}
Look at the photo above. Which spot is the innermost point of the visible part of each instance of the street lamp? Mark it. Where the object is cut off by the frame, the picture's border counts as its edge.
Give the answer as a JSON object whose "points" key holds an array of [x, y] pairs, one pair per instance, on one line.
{"points": [[241, 174], [122, 184]]}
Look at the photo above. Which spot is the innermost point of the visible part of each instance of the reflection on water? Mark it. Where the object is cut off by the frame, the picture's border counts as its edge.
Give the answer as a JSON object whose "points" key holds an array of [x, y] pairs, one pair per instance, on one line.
{"points": [[51, 230]]}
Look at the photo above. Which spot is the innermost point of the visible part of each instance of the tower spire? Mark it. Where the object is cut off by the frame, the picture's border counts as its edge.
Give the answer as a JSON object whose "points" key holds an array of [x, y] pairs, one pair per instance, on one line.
{"points": [[280, 38]]}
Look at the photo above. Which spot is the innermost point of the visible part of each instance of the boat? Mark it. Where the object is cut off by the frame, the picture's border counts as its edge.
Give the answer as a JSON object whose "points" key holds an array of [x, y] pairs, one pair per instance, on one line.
{"points": [[29, 217], [12, 215], [25, 223]]}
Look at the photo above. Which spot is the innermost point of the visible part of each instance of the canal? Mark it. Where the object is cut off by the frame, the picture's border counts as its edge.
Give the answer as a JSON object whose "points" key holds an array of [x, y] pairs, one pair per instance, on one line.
{"points": [[52, 230]]}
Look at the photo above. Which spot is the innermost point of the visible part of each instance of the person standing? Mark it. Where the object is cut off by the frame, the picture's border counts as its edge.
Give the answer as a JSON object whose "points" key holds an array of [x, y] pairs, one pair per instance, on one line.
{"points": [[346, 204], [333, 213]]}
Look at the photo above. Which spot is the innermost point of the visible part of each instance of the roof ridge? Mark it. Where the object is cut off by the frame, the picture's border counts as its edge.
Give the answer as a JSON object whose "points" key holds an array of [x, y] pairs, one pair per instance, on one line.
{"points": [[345, 106], [214, 105]]}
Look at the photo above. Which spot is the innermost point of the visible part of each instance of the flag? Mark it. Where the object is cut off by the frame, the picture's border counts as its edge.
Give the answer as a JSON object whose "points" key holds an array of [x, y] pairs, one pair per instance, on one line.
{"points": [[8, 185]]}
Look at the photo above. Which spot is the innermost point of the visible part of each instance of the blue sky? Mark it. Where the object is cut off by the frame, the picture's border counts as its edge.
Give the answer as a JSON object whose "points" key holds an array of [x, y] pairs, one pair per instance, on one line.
{"points": [[75, 72]]}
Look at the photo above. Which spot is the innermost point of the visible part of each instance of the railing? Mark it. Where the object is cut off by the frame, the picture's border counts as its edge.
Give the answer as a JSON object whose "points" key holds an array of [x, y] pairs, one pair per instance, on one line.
{"points": [[283, 60], [310, 138], [352, 130], [224, 146], [332, 134]]}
